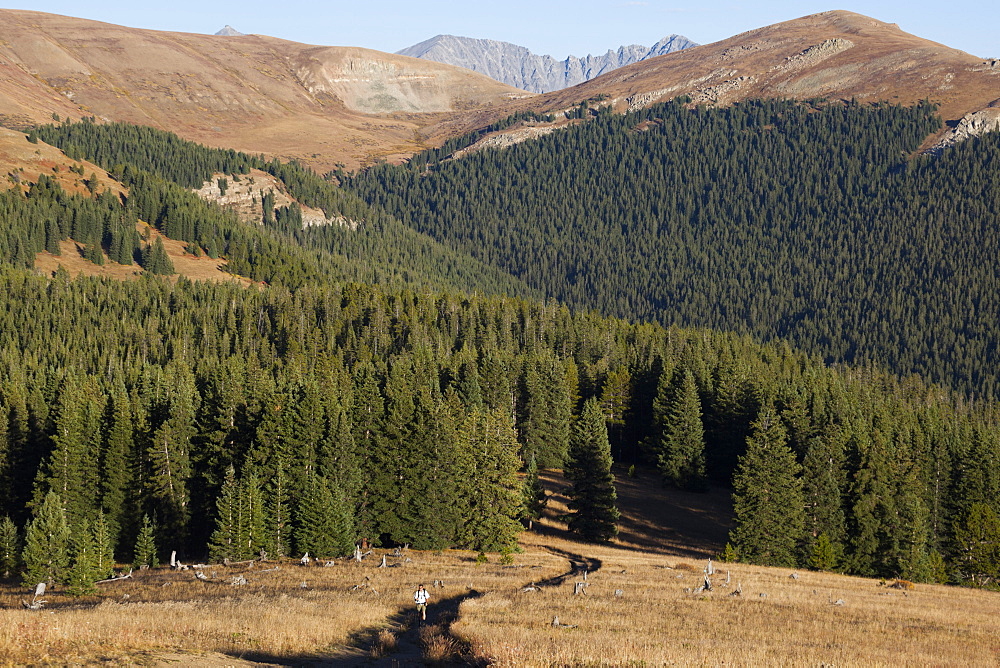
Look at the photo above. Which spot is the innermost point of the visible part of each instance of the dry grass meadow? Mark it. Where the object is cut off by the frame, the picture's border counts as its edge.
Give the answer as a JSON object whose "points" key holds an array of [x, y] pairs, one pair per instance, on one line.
{"points": [[642, 607]]}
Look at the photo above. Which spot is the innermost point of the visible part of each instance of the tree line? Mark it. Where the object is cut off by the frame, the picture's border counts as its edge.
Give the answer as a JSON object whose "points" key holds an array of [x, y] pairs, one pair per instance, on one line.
{"points": [[218, 421]]}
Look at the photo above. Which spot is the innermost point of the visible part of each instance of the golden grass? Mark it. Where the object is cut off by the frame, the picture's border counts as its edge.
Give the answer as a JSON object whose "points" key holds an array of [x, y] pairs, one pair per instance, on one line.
{"points": [[271, 618], [641, 608], [660, 619]]}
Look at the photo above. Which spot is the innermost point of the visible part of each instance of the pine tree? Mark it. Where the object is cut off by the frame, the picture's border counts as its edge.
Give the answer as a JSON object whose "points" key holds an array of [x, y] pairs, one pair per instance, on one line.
{"points": [[46, 554], [10, 547], [825, 554], [593, 497], [822, 481], [71, 470], [439, 477], [616, 402], [223, 543], [83, 554], [155, 259], [534, 493], [977, 540], [277, 508], [321, 521], [95, 254], [116, 461], [252, 529], [767, 496], [104, 546], [682, 436], [145, 552], [548, 416], [494, 509], [169, 451]]}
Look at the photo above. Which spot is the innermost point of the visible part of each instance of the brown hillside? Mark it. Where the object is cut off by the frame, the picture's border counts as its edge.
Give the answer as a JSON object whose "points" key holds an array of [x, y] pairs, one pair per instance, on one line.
{"points": [[253, 93], [21, 164], [328, 105], [836, 55], [833, 55]]}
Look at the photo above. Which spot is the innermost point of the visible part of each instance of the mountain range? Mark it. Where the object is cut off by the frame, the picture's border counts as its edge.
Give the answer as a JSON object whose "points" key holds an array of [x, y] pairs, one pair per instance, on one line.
{"points": [[518, 67], [329, 106]]}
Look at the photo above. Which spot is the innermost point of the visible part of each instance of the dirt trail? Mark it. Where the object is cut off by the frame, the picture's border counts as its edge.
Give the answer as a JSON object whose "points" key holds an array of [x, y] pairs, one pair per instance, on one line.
{"points": [[412, 634], [415, 638]]}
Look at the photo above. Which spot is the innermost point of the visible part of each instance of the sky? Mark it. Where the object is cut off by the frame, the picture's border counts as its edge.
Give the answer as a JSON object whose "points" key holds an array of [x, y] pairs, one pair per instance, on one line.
{"points": [[555, 27]]}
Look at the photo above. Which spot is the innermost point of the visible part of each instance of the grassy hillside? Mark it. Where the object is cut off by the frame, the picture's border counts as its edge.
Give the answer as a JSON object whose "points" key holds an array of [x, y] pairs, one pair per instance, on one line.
{"points": [[639, 606]]}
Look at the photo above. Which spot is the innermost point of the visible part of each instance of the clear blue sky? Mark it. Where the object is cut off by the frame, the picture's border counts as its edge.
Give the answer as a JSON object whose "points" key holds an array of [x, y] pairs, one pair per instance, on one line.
{"points": [[555, 27]]}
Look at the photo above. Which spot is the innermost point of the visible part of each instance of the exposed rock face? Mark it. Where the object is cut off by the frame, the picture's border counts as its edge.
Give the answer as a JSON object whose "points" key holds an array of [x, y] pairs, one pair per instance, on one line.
{"points": [[972, 125], [245, 196], [517, 66], [229, 31]]}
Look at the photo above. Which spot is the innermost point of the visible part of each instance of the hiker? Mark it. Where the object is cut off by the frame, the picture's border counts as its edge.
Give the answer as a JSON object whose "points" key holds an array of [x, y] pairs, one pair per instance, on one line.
{"points": [[421, 596]]}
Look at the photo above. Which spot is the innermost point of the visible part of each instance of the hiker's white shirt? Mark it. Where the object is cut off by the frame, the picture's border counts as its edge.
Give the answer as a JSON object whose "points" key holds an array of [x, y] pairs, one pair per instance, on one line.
{"points": [[421, 596]]}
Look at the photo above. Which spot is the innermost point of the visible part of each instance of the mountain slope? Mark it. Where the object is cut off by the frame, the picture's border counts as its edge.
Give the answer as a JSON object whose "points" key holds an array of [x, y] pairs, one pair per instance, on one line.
{"points": [[838, 54], [519, 67], [252, 93], [775, 218], [330, 105]]}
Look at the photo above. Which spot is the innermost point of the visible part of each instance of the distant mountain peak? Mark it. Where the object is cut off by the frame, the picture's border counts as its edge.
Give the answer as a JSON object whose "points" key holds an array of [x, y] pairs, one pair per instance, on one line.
{"points": [[230, 31], [519, 67]]}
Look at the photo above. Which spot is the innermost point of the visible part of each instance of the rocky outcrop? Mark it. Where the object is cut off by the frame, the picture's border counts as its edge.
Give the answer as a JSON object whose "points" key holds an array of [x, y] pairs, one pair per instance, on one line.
{"points": [[972, 125], [244, 195], [517, 66]]}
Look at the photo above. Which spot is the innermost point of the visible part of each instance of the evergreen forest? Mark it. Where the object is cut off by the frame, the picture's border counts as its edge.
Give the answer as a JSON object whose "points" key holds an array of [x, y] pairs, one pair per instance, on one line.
{"points": [[389, 384], [812, 223]]}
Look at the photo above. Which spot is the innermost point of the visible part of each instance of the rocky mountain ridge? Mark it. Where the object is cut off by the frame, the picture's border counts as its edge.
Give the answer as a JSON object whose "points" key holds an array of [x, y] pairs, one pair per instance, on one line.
{"points": [[831, 55], [517, 66]]}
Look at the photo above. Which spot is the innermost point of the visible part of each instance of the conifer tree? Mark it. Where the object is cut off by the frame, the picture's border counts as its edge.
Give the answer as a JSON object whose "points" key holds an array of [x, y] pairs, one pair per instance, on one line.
{"points": [[435, 509], [7, 452], [767, 496], [616, 402], [496, 505], [224, 542], [547, 419], [46, 554], [822, 481], [825, 554], [322, 527], [682, 436], [94, 254], [116, 464], [169, 451], [155, 259], [468, 385], [534, 493], [83, 569], [104, 546], [277, 507], [145, 552], [593, 497], [71, 469], [977, 539], [393, 466], [10, 547]]}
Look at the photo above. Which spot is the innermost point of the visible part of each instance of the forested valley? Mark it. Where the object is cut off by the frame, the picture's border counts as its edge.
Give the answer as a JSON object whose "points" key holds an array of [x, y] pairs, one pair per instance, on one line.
{"points": [[388, 388]]}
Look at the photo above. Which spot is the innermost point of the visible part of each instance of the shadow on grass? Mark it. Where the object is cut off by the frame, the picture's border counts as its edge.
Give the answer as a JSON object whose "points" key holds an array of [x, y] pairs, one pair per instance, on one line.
{"points": [[417, 642]]}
